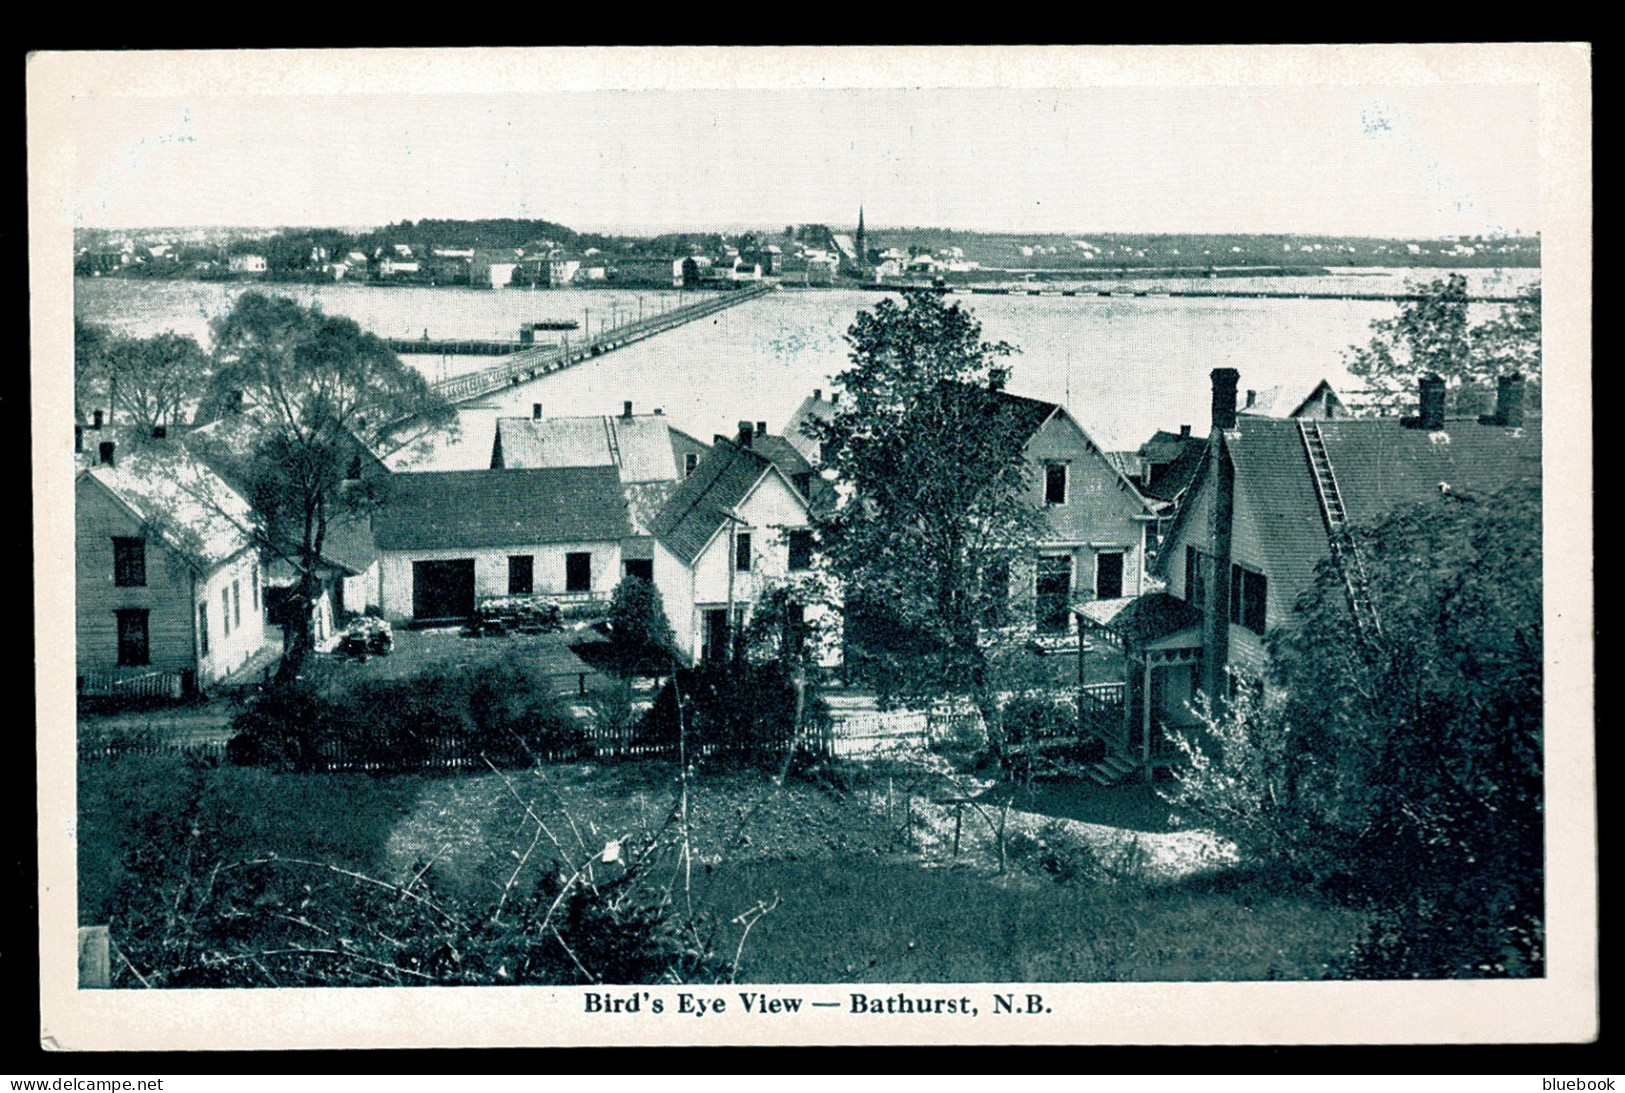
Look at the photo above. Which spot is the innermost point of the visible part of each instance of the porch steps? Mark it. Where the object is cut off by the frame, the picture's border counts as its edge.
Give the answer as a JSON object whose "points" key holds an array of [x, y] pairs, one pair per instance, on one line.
{"points": [[1344, 551], [1111, 771]]}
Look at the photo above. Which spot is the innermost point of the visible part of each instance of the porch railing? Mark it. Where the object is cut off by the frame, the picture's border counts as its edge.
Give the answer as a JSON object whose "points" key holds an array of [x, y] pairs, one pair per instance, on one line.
{"points": [[112, 682], [1100, 710]]}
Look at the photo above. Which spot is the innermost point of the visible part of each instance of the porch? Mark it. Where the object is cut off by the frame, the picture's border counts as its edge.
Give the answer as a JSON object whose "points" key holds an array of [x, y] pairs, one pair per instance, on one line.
{"points": [[1154, 646]]}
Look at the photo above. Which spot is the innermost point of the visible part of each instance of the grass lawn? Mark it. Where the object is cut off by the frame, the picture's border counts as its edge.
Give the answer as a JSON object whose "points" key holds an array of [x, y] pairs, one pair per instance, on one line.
{"points": [[859, 900]]}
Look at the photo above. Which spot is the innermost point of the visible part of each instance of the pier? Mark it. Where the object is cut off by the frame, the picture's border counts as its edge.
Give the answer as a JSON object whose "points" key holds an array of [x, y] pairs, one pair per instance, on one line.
{"points": [[523, 363]]}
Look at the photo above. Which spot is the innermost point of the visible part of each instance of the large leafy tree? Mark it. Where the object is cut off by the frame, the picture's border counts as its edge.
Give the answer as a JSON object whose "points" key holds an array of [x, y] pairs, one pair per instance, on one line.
{"points": [[319, 389], [940, 504], [1407, 769], [156, 381], [1432, 333]]}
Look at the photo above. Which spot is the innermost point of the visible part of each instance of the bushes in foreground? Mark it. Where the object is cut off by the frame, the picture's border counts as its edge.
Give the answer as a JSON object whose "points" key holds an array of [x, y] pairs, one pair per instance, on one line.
{"points": [[497, 712]]}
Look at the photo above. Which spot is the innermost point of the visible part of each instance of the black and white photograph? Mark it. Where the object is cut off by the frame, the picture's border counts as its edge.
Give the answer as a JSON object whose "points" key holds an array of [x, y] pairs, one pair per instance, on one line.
{"points": [[814, 545]]}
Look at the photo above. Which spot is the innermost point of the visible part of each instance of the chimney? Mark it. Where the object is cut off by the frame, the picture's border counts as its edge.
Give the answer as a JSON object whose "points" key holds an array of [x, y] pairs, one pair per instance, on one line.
{"points": [[159, 432], [1224, 397], [78, 438], [234, 403], [1252, 397], [746, 434], [1432, 394], [535, 411], [1184, 432], [761, 428], [660, 411], [834, 398], [818, 394], [106, 452], [626, 409], [996, 378], [1509, 391], [96, 420]]}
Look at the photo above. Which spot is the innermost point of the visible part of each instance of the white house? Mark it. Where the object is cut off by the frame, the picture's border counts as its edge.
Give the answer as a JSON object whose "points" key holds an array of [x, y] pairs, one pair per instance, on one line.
{"points": [[448, 539], [169, 587], [734, 529]]}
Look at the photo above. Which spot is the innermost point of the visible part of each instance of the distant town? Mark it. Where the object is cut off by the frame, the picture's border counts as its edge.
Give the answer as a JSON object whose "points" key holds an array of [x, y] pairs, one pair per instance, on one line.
{"points": [[539, 253]]}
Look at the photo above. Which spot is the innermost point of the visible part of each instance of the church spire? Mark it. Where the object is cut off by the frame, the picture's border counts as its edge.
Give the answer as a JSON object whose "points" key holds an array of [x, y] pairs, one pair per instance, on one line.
{"points": [[861, 244]]}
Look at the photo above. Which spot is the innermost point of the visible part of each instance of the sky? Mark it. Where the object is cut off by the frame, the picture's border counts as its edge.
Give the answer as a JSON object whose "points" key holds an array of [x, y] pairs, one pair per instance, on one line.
{"points": [[1392, 161]]}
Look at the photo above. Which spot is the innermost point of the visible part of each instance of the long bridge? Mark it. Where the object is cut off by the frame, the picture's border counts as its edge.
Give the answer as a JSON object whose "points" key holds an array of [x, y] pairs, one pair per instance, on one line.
{"points": [[531, 363]]}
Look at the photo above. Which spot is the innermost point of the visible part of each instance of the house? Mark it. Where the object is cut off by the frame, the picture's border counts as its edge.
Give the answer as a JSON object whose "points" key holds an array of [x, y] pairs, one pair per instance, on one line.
{"points": [[735, 528], [1272, 499], [169, 586], [447, 539], [649, 456], [347, 570], [1098, 526], [1168, 462], [1282, 400], [247, 264]]}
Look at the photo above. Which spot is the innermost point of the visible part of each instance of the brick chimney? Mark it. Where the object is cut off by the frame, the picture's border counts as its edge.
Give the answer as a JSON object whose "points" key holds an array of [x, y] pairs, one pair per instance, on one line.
{"points": [[1509, 392], [96, 420], [105, 451], [1224, 397], [1431, 390], [761, 428], [159, 432], [818, 394], [626, 409], [746, 434], [1252, 398], [535, 411], [996, 378], [1184, 432]]}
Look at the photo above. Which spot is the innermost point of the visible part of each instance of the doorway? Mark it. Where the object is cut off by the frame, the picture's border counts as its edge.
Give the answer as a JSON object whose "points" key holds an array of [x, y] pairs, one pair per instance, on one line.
{"points": [[443, 590]]}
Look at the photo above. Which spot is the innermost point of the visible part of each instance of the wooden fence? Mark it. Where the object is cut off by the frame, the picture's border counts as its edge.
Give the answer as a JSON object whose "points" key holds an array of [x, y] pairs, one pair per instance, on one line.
{"points": [[122, 683]]}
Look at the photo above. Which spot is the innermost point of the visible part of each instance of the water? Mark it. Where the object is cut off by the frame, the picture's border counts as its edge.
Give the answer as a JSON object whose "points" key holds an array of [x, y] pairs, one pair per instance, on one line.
{"points": [[1125, 367]]}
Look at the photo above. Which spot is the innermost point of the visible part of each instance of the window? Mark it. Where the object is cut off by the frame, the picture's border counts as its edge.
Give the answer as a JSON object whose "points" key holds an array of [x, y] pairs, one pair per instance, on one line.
{"points": [[1195, 578], [133, 651], [578, 572], [690, 461], [1054, 593], [641, 568], [237, 604], [742, 552], [1054, 483], [129, 562], [521, 574], [1109, 575], [225, 612], [203, 629], [801, 548], [1249, 595]]}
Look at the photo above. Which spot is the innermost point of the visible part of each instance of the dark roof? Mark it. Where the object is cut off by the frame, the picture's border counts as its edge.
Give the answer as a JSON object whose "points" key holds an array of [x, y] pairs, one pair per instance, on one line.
{"points": [[820, 495], [1170, 477], [1380, 464], [720, 481], [471, 510], [1142, 618], [1030, 413]]}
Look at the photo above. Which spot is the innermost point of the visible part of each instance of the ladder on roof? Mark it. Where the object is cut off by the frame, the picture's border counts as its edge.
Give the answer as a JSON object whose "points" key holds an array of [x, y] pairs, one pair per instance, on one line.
{"points": [[1344, 551], [614, 444]]}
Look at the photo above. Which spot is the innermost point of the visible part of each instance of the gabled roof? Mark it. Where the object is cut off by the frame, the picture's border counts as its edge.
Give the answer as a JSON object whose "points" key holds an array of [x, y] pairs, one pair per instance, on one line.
{"points": [[644, 448], [173, 492], [1288, 401], [474, 510], [812, 408], [720, 483], [1380, 465], [819, 494]]}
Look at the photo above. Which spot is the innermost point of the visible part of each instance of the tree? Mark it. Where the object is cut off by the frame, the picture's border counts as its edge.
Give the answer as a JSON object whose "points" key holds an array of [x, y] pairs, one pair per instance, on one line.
{"points": [[941, 505], [640, 633], [319, 388], [1431, 333], [1408, 770], [157, 381], [90, 342]]}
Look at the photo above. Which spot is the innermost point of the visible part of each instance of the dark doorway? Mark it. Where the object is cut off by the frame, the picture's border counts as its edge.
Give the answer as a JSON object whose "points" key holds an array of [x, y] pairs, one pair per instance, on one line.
{"points": [[521, 574], [640, 567], [578, 572], [443, 590], [1109, 575], [1054, 593]]}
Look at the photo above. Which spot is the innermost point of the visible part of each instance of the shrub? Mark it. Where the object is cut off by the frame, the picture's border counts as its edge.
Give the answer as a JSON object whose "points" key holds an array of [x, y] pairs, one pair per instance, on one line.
{"points": [[640, 634], [1033, 717], [738, 710]]}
